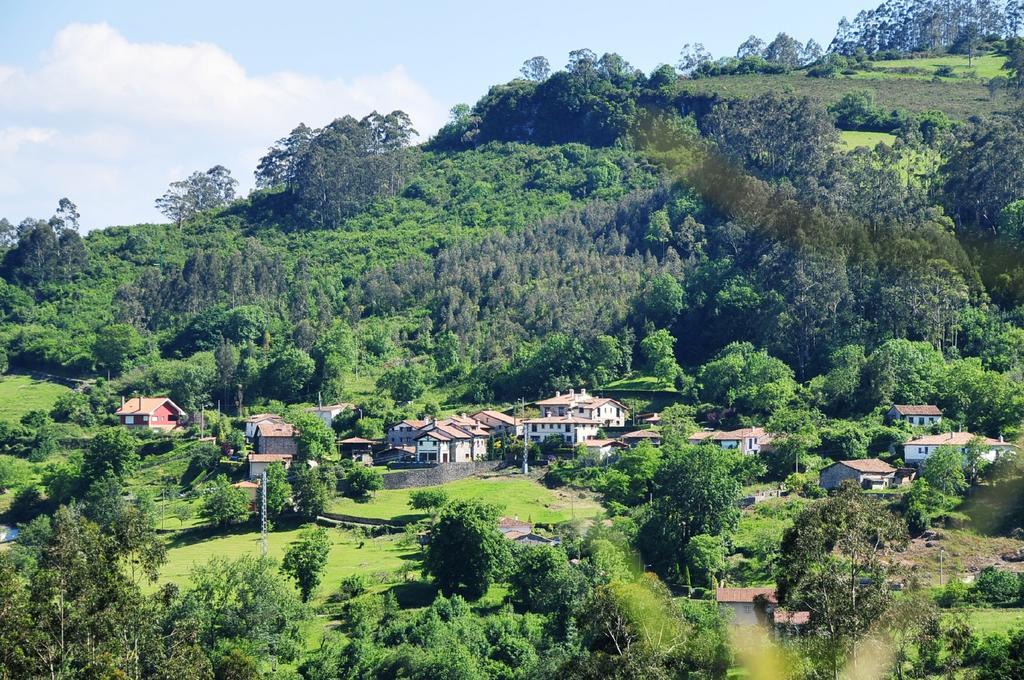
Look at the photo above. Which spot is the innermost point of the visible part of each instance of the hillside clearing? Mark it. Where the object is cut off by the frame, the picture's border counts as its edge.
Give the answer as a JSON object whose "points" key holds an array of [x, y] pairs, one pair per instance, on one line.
{"points": [[20, 394], [851, 139], [520, 497], [984, 67]]}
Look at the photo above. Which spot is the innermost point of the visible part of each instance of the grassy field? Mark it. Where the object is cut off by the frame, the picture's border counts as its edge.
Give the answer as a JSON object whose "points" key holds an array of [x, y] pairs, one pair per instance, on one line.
{"points": [[985, 621], [520, 497], [20, 394], [959, 98], [851, 139], [983, 67], [351, 553]]}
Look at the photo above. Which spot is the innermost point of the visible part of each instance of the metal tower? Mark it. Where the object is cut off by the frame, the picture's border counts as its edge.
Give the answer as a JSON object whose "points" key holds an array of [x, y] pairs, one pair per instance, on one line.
{"points": [[263, 513]]}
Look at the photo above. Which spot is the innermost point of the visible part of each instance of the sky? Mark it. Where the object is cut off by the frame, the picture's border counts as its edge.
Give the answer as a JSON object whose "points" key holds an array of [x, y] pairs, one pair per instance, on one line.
{"points": [[107, 102]]}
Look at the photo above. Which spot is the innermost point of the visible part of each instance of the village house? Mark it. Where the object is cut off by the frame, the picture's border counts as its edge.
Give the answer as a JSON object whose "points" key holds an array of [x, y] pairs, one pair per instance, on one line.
{"points": [[251, 490], [451, 440], [607, 412], [404, 433], [572, 429], [916, 451], [604, 447], [870, 473], [357, 447], [915, 414], [631, 439], [154, 413], [328, 412], [651, 419], [521, 532], [394, 454], [253, 421], [749, 440], [276, 436], [747, 606], [258, 462], [500, 424]]}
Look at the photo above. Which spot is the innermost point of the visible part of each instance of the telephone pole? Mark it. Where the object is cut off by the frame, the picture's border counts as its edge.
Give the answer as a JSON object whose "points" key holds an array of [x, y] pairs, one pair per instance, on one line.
{"points": [[263, 513]]}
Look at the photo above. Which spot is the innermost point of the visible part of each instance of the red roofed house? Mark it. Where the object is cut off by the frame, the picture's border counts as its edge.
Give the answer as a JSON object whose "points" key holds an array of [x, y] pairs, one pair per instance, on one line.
{"points": [[276, 436], [604, 447], [258, 462], [155, 413], [749, 440], [607, 412], [916, 451], [250, 488], [403, 433], [634, 438], [253, 421], [747, 606], [499, 423], [453, 440], [915, 414], [869, 473], [572, 429]]}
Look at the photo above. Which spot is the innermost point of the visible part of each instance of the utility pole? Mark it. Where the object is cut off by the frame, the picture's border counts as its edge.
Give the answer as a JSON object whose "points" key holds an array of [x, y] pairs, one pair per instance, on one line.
{"points": [[942, 552], [202, 421], [526, 452]]}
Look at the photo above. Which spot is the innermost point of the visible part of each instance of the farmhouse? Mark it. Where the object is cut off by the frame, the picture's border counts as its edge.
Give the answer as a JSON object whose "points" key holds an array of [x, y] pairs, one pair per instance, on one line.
{"points": [[404, 433], [276, 436], [747, 606], [631, 439], [452, 440], [250, 488], [500, 424], [357, 447], [329, 412], [604, 447], [572, 429], [916, 451], [258, 462], [749, 440], [915, 414], [869, 473], [607, 412], [253, 421], [154, 413]]}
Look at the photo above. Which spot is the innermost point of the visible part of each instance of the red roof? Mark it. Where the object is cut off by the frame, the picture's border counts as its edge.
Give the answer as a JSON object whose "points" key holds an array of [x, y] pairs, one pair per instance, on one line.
{"points": [[917, 410], [745, 594], [868, 465], [145, 406], [357, 440], [642, 434], [565, 420], [276, 428], [269, 457], [954, 439], [783, 617], [496, 415]]}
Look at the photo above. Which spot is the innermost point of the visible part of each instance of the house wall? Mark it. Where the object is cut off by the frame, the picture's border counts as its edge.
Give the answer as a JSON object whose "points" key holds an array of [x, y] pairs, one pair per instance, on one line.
{"points": [[289, 445], [833, 476], [741, 613], [163, 418], [401, 435]]}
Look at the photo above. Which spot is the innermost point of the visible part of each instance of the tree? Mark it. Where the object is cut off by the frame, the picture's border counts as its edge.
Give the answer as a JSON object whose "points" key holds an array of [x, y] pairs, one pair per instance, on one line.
{"points": [[116, 346], [835, 564], [287, 374], [431, 498], [66, 217], [542, 581], [784, 50], [316, 440], [657, 346], [113, 450], [309, 491], [405, 383], [14, 473], [944, 471], [362, 481], [466, 552], [751, 47], [663, 300], [199, 192], [536, 69], [279, 491], [692, 58], [705, 557], [696, 491], [306, 559], [224, 504]]}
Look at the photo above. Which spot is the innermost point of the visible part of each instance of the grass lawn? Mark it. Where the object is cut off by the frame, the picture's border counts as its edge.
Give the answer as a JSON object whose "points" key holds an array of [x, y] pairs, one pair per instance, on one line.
{"points": [[639, 382], [984, 67], [517, 496], [20, 394], [377, 558], [852, 139], [985, 621]]}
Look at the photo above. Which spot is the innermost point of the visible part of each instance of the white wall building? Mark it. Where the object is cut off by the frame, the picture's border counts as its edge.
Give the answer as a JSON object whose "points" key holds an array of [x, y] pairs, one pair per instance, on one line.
{"points": [[572, 429], [916, 451], [915, 414], [607, 412]]}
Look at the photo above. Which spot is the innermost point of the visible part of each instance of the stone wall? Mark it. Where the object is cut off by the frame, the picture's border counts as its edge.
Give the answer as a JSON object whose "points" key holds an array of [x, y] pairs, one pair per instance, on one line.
{"points": [[436, 474]]}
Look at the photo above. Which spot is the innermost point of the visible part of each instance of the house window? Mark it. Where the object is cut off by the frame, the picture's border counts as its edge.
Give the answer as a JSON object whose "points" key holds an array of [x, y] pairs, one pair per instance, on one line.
{"points": [[129, 420], [534, 426], [921, 450]]}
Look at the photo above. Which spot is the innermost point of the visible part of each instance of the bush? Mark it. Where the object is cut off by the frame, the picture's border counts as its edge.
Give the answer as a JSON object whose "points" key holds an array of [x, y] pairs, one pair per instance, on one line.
{"points": [[997, 587], [361, 481]]}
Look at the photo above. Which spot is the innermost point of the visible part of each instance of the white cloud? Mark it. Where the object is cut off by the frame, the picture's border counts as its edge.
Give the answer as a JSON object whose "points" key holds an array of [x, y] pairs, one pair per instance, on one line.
{"points": [[133, 113]]}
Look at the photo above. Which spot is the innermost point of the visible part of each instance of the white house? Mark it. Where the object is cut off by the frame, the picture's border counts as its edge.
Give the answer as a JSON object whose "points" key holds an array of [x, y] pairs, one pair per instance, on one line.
{"points": [[747, 606], [915, 414], [604, 447], [916, 451], [607, 412], [452, 440], [328, 412], [572, 429], [404, 433], [252, 423], [749, 440], [258, 462]]}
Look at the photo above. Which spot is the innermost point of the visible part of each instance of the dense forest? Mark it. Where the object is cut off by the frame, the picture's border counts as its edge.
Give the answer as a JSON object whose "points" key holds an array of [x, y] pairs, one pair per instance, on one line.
{"points": [[730, 260]]}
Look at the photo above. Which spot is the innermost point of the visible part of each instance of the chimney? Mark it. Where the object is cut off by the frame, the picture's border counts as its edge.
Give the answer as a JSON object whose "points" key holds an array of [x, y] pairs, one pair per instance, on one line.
{"points": [[583, 391], [572, 392], [319, 401], [122, 401], [558, 393]]}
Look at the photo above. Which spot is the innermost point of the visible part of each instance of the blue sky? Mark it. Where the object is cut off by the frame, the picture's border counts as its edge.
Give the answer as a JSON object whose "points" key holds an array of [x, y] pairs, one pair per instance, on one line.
{"points": [[107, 102]]}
